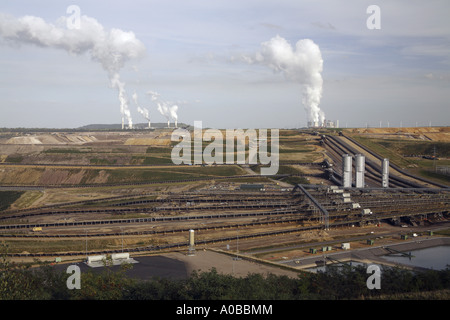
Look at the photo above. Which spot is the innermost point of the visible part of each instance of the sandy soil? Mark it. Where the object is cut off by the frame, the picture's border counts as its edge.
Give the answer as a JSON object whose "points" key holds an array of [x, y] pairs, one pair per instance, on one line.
{"points": [[421, 133], [225, 264]]}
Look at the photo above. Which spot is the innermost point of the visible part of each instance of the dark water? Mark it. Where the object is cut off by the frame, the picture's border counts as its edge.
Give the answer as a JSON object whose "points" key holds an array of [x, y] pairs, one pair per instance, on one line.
{"points": [[332, 265], [436, 258]]}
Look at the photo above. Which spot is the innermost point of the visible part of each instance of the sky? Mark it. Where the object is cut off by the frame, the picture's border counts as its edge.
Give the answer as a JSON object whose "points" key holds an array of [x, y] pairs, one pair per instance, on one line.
{"points": [[194, 56]]}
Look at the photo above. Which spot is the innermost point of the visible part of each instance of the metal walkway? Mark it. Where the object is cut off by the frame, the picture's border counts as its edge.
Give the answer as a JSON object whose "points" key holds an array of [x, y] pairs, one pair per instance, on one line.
{"points": [[323, 211]]}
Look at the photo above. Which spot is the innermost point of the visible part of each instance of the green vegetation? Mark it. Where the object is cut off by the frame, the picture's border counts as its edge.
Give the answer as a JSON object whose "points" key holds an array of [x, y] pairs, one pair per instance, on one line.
{"points": [[173, 173], [296, 180], [67, 151], [21, 282], [374, 145], [149, 160], [102, 161], [408, 154], [159, 150], [14, 159], [8, 197], [27, 199], [417, 147], [435, 176], [445, 232]]}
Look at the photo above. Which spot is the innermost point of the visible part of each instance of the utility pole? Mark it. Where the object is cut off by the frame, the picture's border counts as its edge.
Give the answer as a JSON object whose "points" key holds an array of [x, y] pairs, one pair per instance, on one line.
{"points": [[85, 230], [121, 229], [434, 158]]}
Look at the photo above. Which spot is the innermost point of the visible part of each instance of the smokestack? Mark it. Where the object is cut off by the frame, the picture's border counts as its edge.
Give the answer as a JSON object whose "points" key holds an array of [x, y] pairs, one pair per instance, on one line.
{"points": [[385, 174], [347, 171], [167, 109], [145, 113], [360, 170]]}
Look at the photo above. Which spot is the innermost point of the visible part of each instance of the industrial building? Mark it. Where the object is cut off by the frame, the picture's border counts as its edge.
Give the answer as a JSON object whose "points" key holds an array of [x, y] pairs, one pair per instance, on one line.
{"points": [[324, 124]]}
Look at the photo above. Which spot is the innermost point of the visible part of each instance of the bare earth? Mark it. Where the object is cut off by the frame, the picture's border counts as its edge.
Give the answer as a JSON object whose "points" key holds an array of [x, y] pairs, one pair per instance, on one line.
{"points": [[225, 264]]}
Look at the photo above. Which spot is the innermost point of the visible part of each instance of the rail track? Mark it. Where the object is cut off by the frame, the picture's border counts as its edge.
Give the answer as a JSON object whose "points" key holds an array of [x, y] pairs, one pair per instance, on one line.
{"points": [[290, 216], [338, 148], [180, 245], [135, 166], [394, 166], [373, 171], [143, 183]]}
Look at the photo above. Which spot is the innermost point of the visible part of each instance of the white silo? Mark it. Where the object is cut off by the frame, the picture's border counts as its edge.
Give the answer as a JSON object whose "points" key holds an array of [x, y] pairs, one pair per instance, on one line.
{"points": [[385, 174], [360, 170], [191, 242], [347, 171]]}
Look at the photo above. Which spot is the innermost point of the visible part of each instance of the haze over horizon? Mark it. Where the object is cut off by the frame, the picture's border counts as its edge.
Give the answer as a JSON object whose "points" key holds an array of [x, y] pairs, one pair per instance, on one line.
{"points": [[215, 62]]}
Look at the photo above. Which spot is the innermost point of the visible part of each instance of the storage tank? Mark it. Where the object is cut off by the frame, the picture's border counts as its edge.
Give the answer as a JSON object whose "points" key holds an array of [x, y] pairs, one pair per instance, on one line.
{"points": [[360, 170], [191, 238], [346, 171], [120, 256], [98, 258], [385, 174], [191, 242]]}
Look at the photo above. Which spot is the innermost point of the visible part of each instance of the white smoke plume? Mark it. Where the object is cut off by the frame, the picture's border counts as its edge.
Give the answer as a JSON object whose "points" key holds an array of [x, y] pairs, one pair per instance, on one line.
{"points": [[167, 109], [110, 48], [143, 111], [302, 64]]}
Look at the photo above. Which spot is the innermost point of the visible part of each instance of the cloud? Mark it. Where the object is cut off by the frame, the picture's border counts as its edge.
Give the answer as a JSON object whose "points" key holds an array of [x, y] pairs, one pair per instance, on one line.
{"points": [[302, 64], [321, 25], [111, 49]]}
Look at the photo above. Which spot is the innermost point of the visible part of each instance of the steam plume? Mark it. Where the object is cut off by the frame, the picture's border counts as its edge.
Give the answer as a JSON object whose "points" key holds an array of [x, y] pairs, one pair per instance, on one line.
{"points": [[166, 108], [109, 48], [302, 64], [144, 111]]}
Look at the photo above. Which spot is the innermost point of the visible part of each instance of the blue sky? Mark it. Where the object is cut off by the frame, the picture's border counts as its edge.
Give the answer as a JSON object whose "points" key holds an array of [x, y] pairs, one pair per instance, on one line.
{"points": [[398, 74]]}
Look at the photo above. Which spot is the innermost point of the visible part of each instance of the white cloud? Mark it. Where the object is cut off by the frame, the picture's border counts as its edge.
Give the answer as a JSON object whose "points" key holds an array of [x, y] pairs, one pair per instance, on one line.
{"points": [[191, 44]]}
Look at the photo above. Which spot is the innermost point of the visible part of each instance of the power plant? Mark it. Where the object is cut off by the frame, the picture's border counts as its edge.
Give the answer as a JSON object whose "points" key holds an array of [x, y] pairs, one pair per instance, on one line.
{"points": [[101, 195], [324, 124]]}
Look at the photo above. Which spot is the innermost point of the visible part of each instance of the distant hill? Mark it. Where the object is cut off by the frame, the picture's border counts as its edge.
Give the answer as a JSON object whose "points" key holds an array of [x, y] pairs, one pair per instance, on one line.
{"points": [[135, 126]]}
